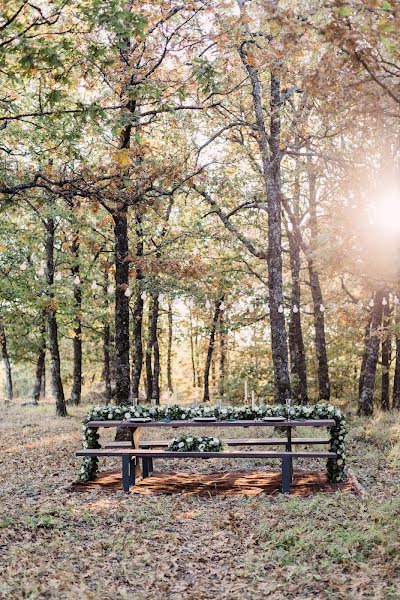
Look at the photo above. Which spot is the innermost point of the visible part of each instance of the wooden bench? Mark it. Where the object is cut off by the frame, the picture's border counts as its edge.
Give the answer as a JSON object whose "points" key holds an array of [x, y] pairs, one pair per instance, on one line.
{"points": [[129, 466]]}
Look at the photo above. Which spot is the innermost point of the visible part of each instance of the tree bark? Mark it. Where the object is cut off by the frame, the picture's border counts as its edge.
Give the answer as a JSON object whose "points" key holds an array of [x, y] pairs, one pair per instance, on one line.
{"points": [[364, 356], [153, 370], [40, 365], [169, 348], [137, 316], [122, 374], [297, 353], [386, 357], [9, 390], [210, 350], [222, 352], [271, 156], [76, 392], [107, 361], [192, 349], [156, 352], [396, 380], [324, 388], [366, 400], [58, 390]]}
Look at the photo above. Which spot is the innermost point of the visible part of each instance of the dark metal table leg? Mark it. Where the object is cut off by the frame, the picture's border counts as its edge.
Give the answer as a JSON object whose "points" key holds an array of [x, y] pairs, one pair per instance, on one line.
{"points": [[126, 472], [286, 474]]}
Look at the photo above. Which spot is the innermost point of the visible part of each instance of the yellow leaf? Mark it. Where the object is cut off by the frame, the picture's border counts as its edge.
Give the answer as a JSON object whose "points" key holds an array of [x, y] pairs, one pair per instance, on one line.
{"points": [[122, 158]]}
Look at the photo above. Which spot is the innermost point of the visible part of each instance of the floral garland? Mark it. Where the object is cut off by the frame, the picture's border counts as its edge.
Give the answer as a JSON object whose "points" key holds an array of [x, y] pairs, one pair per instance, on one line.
{"points": [[335, 467], [193, 443]]}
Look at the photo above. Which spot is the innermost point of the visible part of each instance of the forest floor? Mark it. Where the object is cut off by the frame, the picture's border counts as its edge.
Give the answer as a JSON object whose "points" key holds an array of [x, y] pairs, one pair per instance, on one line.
{"points": [[96, 545]]}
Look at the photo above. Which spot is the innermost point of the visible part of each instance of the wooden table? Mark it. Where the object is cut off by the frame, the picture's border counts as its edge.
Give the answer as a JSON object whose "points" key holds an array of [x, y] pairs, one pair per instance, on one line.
{"points": [[135, 428]]}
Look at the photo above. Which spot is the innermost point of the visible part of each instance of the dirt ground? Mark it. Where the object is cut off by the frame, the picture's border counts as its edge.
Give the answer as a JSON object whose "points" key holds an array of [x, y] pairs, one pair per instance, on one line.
{"points": [[55, 543]]}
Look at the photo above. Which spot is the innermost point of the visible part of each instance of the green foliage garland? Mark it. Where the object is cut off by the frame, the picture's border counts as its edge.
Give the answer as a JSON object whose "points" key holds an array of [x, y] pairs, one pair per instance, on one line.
{"points": [[335, 468], [194, 443]]}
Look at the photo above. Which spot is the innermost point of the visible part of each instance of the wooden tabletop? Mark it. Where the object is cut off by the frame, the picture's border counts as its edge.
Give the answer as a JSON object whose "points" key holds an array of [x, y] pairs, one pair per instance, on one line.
{"points": [[238, 423]]}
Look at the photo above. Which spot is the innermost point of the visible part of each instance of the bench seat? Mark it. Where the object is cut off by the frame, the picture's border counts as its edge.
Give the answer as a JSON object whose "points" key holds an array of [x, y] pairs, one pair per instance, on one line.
{"points": [[147, 455]]}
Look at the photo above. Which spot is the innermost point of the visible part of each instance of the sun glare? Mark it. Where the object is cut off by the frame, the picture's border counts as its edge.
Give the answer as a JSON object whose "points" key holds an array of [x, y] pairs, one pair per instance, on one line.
{"points": [[387, 211]]}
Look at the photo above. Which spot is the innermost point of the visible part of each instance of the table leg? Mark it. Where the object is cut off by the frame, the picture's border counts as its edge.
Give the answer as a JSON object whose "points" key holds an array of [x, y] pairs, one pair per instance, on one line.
{"points": [[126, 473], [289, 449], [286, 474], [136, 431]]}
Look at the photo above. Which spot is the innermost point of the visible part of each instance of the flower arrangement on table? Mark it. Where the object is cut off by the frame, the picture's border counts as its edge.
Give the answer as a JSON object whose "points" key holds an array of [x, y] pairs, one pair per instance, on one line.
{"points": [[335, 467], [194, 443]]}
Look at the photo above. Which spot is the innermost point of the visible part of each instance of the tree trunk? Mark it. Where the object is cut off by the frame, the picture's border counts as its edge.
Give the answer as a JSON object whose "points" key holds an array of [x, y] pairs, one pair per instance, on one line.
{"points": [[192, 349], [58, 390], [137, 316], [169, 348], [222, 352], [122, 374], [41, 360], [153, 370], [366, 400], [396, 380], [297, 353], [9, 392], [149, 353], [43, 388], [76, 392], [217, 308], [107, 361], [324, 390], [364, 356], [271, 155], [386, 357], [156, 352]]}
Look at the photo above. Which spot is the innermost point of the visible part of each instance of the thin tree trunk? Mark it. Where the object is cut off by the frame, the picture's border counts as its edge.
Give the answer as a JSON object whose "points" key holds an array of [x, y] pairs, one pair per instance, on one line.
{"points": [[222, 352], [297, 353], [271, 156], [122, 374], [107, 361], [210, 350], [386, 356], [396, 380], [106, 342], [41, 360], [169, 348], [153, 370], [9, 392], [137, 316], [192, 349], [367, 331], [58, 390], [43, 387], [324, 390], [366, 400], [156, 352], [149, 352], [76, 392], [197, 358]]}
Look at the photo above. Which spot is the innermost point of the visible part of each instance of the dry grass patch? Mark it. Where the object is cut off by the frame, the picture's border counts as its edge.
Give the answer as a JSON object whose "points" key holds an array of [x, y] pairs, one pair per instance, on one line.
{"points": [[55, 544]]}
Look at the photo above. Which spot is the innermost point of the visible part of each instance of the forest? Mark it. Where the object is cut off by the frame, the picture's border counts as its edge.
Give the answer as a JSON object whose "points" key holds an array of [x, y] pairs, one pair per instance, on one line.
{"points": [[199, 205]]}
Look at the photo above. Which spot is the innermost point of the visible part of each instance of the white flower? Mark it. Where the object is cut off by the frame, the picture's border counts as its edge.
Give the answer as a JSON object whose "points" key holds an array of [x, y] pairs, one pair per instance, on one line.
{"points": [[127, 415], [110, 416], [181, 444], [189, 440]]}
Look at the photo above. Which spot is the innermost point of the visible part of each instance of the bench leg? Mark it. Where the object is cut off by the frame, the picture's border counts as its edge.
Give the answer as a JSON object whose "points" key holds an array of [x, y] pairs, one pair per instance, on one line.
{"points": [[132, 471], [147, 466], [286, 474]]}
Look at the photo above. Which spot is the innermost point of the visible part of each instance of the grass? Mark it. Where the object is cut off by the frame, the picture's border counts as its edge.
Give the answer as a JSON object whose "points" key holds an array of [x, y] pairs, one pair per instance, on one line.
{"points": [[55, 544]]}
